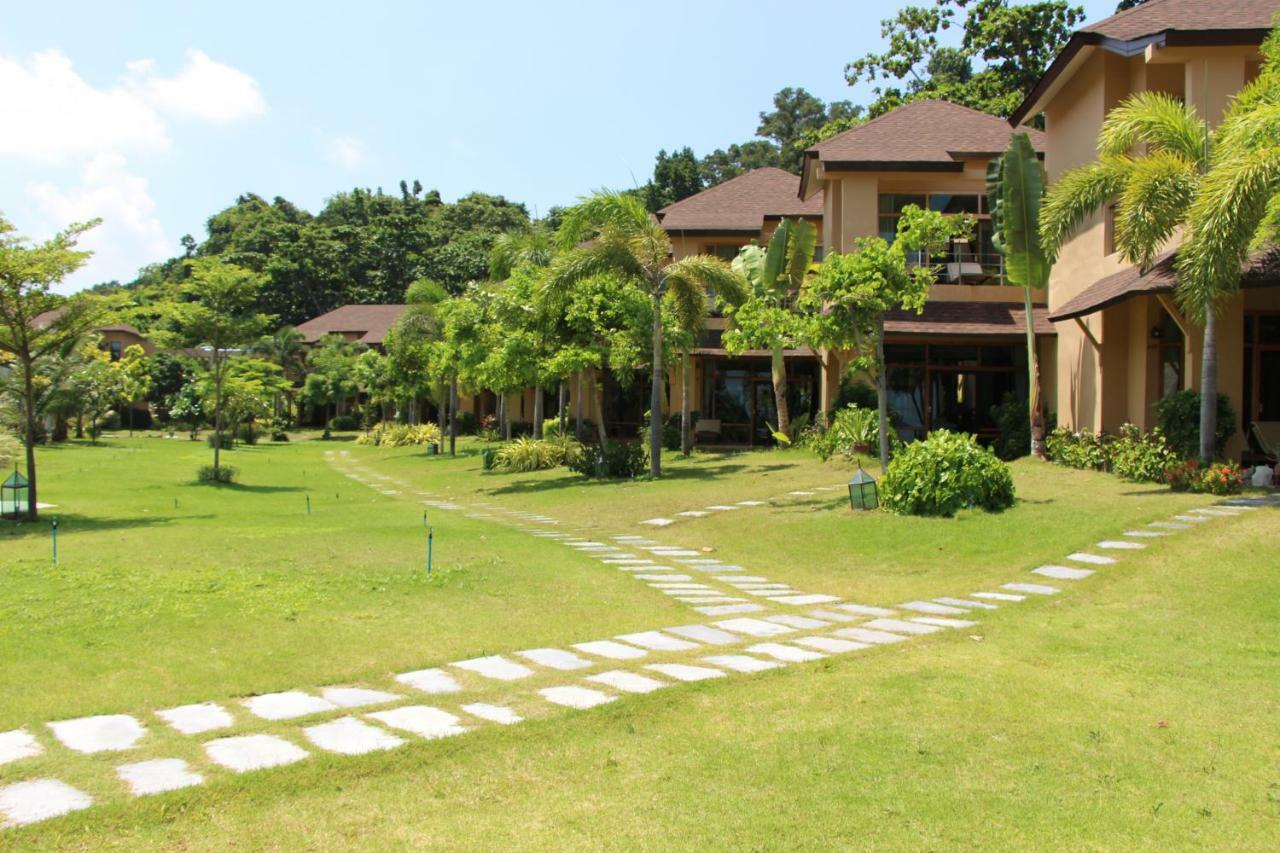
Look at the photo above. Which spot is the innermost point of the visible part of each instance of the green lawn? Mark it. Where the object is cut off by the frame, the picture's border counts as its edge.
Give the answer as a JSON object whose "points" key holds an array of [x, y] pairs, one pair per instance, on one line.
{"points": [[1138, 709]]}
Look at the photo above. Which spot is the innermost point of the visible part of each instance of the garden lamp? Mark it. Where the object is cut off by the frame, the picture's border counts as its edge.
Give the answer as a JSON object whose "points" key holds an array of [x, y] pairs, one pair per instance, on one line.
{"points": [[862, 491]]}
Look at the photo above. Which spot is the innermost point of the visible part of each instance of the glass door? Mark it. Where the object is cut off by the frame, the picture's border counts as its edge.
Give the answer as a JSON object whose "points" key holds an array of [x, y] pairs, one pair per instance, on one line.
{"points": [[765, 412]]}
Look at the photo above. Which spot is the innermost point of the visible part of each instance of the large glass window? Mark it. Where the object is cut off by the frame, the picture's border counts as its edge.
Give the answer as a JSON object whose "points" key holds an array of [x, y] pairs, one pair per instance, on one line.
{"points": [[1170, 347], [1261, 367], [967, 261], [739, 394], [952, 385]]}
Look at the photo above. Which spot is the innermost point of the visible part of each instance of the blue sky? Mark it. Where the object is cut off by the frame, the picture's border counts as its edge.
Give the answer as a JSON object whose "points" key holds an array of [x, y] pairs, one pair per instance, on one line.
{"points": [[154, 115]]}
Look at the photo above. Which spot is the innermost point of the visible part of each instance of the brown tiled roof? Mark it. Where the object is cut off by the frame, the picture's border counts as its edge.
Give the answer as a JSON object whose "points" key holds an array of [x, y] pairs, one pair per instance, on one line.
{"points": [[967, 318], [369, 324], [740, 204], [919, 134]]}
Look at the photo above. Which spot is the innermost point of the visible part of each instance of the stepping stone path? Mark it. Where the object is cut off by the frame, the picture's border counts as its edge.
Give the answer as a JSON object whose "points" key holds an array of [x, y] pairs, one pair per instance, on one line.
{"points": [[430, 681], [785, 653], [495, 667], [349, 736], [108, 733], [930, 607], [657, 641], [610, 649], [628, 682], [1091, 559], [358, 697], [493, 713], [421, 720], [741, 663], [1062, 573], [18, 744], [253, 752], [685, 672], [287, 705], [575, 697], [754, 627], [868, 635], [197, 719], [158, 776], [556, 659], [39, 799]]}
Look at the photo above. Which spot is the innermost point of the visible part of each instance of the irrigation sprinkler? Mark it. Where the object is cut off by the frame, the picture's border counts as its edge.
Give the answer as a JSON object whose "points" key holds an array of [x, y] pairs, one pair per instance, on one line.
{"points": [[53, 532], [430, 536], [308, 504]]}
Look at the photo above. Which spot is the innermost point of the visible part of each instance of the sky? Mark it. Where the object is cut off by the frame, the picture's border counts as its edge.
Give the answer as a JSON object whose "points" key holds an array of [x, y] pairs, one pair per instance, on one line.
{"points": [[155, 115]]}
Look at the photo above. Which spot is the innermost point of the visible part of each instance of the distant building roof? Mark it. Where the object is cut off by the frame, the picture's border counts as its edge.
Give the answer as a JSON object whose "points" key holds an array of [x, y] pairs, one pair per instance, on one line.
{"points": [[1164, 23], [43, 319], [740, 205], [368, 324], [967, 319]]}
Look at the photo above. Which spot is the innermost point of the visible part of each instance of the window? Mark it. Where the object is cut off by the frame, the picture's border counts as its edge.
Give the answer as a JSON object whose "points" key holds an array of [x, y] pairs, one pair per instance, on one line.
{"points": [[952, 385], [1261, 367], [1169, 349], [723, 252], [116, 349], [973, 261]]}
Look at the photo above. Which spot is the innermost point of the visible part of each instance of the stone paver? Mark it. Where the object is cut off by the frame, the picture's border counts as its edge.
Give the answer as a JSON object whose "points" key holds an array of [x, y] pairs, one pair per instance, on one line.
{"points": [[358, 697], [931, 608], [807, 622], [966, 603], [754, 627], [657, 641], [287, 705], [693, 513], [1062, 573], [628, 682], [349, 736], [243, 753], [665, 577], [944, 622], [197, 719], [833, 616], [493, 713], [421, 720], [812, 598], [1120, 545], [1145, 534], [899, 626], [866, 610], [610, 649], [685, 672], [1033, 588], [703, 634], [1170, 525], [155, 777], [430, 681], [659, 522], [39, 799], [741, 663], [1000, 596], [1091, 559], [726, 609], [107, 733], [575, 697], [833, 645], [555, 659], [18, 744], [751, 503], [496, 667], [785, 653]]}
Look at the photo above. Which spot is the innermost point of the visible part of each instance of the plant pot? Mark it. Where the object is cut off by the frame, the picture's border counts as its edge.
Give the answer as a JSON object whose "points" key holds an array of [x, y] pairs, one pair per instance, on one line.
{"points": [[861, 447]]}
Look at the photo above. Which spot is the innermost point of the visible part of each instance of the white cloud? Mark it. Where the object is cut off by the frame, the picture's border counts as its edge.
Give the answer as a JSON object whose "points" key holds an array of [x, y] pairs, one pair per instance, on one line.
{"points": [[346, 151], [204, 89], [131, 235]]}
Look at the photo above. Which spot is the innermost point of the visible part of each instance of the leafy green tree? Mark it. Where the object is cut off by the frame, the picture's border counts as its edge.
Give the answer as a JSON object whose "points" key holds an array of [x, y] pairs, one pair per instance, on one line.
{"points": [[97, 385], [613, 233], [284, 347], [849, 297], [768, 318], [36, 324], [675, 176], [796, 114], [725, 163], [331, 373], [220, 316], [134, 369], [250, 388]]}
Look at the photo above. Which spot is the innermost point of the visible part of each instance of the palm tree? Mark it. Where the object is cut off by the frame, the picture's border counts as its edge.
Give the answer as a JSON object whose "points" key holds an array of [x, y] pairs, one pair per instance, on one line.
{"points": [[1153, 191], [284, 347], [611, 232], [1236, 211]]}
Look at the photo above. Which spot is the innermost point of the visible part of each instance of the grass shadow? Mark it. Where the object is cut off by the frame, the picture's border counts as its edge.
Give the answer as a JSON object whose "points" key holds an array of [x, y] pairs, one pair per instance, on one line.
{"points": [[69, 523]]}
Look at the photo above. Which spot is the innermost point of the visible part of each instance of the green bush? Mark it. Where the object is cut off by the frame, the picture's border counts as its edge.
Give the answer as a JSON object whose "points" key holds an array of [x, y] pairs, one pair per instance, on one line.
{"points": [[1179, 415], [468, 423], [387, 434], [1082, 450], [615, 461], [279, 428], [1141, 458], [1014, 422], [247, 433], [221, 474], [945, 473], [1190, 476], [344, 423], [225, 441], [852, 429], [10, 451], [528, 454]]}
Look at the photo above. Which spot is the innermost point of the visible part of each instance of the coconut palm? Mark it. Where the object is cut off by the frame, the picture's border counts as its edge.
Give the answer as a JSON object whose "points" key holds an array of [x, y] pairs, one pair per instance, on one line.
{"points": [[611, 232]]}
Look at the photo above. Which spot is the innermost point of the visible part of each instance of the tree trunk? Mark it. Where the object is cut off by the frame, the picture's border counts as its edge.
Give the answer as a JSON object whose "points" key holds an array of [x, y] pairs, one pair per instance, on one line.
{"points": [[686, 417], [217, 415], [882, 397], [655, 391], [561, 413], [597, 391], [780, 392], [29, 403], [506, 417], [1035, 404], [578, 405], [441, 407], [537, 411], [453, 415], [1209, 387]]}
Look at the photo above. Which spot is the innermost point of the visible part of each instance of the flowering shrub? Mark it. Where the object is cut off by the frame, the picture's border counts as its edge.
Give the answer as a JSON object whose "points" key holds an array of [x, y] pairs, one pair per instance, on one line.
{"points": [[1221, 479], [1138, 457], [944, 473], [400, 435]]}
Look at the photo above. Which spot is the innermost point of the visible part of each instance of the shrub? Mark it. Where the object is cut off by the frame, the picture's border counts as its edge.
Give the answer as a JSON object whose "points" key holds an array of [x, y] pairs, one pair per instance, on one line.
{"points": [[247, 433], [10, 450], [1227, 479], [488, 429], [1013, 420], [225, 441], [944, 473], [853, 429], [388, 434], [528, 454], [1141, 458], [279, 427], [344, 423], [468, 423], [615, 461], [1082, 450], [519, 428], [670, 431], [1179, 415], [221, 474], [1184, 476]]}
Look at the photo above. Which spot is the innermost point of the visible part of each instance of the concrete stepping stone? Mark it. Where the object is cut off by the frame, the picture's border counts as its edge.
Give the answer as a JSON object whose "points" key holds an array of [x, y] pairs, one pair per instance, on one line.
{"points": [[349, 736], [678, 586], [693, 513], [785, 653], [496, 667], [675, 553], [802, 494], [286, 705], [657, 641], [628, 682], [832, 645], [1062, 573], [1091, 559], [685, 672], [421, 720], [966, 603], [659, 522], [493, 713], [576, 697], [762, 583], [697, 561], [610, 649], [727, 609], [627, 561], [556, 659], [798, 621], [754, 627], [1215, 511], [944, 621], [1120, 545], [899, 626], [643, 567], [197, 719], [18, 744], [741, 579], [430, 681], [770, 593], [39, 799], [867, 635], [1144, 534], [155, 777], [866, 610], [723, 507], [358, 697], [1033, 588], [751, 503], [1198, 519], [704, 634], [107, 733], [670, 577], [741, 663], [1170, 525], [710, 599], [811, 598], [931, 608], [1000, 596], [243, 753], [833, 616]]}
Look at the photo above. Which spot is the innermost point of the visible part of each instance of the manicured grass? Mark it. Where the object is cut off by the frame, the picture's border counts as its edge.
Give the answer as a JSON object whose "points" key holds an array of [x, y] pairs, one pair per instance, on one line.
{"points": [[1136, 710]]}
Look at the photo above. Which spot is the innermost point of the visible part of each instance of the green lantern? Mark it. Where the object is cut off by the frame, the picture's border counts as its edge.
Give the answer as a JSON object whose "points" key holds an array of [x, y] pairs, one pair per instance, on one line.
{"points": [[862, 491], [13, 495]]}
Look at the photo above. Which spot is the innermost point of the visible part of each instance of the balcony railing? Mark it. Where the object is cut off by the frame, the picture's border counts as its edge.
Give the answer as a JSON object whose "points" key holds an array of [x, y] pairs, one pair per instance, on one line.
{"points": [[963, 266]]}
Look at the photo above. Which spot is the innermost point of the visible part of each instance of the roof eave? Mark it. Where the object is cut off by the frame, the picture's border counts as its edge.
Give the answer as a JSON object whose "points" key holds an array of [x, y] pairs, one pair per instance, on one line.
{"points": [[894, 165]]}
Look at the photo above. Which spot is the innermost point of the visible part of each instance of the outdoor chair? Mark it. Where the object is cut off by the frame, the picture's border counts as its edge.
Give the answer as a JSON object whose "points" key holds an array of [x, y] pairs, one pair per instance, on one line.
{"points": [[965, 264], [707, 429], [1266, 436]]}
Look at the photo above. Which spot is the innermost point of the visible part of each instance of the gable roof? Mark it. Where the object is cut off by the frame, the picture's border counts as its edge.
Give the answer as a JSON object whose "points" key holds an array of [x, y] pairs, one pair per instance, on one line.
{"points": [[368, 324], [1165, 23], [740, 205]]}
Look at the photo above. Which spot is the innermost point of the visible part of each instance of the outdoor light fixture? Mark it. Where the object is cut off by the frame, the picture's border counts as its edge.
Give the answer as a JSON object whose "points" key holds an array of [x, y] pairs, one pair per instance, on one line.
{"points": [[862, 491], [13, 495]]}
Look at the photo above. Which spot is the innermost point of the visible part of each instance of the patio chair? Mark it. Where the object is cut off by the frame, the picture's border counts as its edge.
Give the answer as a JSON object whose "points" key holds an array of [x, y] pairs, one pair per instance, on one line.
{"points": [[965, 264], [1267, 438]]}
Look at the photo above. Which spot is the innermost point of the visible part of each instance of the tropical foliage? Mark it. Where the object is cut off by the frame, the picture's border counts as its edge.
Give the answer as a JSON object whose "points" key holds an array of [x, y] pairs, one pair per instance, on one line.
{"points": [[943, 474]]}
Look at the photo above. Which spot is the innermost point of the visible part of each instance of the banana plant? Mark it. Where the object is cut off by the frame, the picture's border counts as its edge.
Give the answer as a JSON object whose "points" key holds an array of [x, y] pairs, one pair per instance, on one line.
{"points": [[1015, 192]]}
